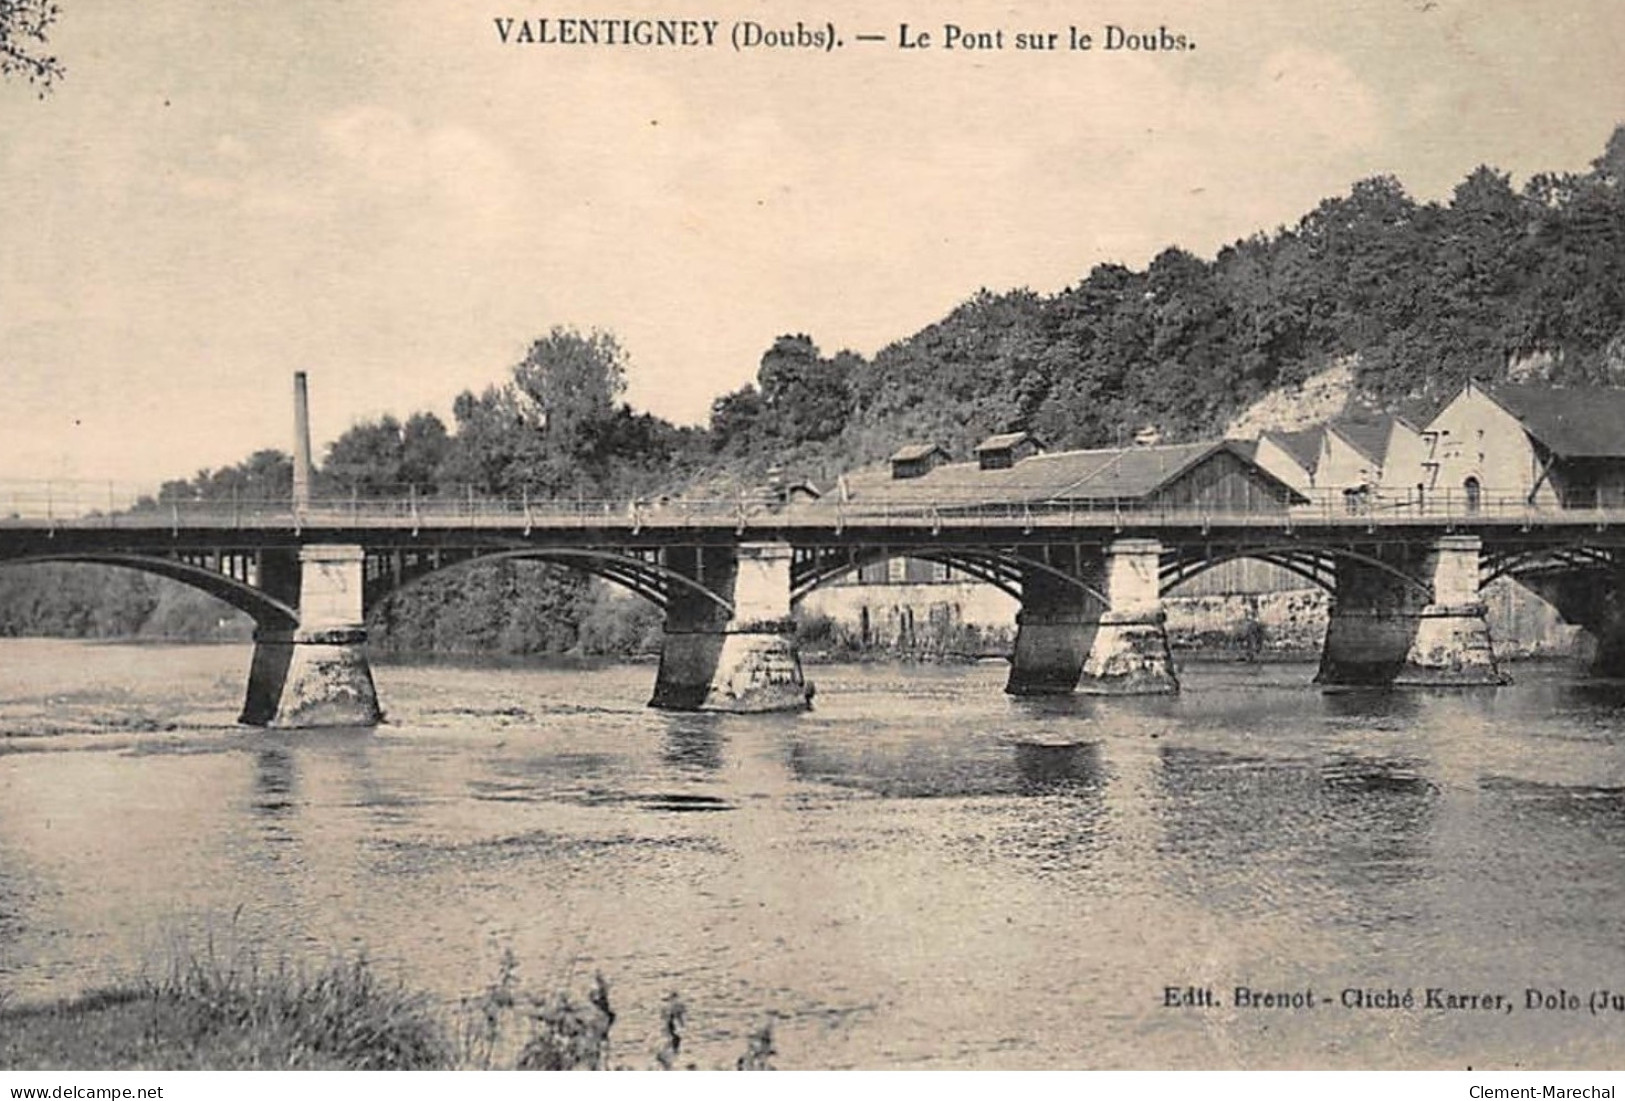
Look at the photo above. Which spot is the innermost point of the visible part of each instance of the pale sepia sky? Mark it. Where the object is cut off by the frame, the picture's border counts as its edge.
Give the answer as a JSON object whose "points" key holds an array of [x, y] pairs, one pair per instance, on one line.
{"points": [[381, 193]]}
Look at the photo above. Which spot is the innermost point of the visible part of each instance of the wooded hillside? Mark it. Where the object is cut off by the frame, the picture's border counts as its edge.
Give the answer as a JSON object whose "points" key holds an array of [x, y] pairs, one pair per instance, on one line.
{"points": [[1497, 281]]}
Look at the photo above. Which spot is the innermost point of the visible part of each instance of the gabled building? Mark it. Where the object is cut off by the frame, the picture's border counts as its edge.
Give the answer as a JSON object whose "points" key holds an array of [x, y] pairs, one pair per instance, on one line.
{"points": [[1293, 457], [1402, 472], [1549, 446], [1376, 457], [1361, 462], [1351, 455]]}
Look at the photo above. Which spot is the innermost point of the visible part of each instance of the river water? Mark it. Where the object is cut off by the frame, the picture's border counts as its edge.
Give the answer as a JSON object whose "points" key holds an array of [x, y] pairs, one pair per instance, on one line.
{"points": [[921, 872]]}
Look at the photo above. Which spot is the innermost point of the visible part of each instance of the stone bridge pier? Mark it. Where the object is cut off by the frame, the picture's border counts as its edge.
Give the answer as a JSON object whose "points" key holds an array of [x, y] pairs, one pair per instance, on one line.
{"points": [[315, 672], [729, 640], [1070, 639], [1056, 624], [1130, 654], [1593, 600], [1412, 619]]}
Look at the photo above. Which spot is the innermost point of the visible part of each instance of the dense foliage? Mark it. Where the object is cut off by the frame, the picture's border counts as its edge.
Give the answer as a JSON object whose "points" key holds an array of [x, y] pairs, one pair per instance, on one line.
{"points": [[1496, 282], [1423, 296]]}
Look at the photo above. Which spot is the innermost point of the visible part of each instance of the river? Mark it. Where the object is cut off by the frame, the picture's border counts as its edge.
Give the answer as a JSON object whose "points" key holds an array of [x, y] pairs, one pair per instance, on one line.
{"points": [[921, 872]]}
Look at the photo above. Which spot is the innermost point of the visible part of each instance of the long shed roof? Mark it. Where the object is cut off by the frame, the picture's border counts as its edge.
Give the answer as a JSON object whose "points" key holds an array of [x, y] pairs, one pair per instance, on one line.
{"points": [[1131, 473]]}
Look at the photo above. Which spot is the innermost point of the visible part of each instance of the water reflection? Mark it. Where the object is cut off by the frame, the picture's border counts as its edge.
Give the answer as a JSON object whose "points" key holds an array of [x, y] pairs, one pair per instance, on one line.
{"points": [[1349, 776], [915, 767], [1144, 711], [1040, 816], [276, 781], [1040, 707], [1586, 695], [1577, 695], [1567, 806], [694, 742], [1344, 836], [1371, 703], [531, 774], [388, 800], [1057, 769], [1405, 706]]}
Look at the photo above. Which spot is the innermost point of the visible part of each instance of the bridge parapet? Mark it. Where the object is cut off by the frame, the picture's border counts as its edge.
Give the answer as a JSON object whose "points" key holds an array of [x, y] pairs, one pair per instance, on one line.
{"points": [[82, 506]]}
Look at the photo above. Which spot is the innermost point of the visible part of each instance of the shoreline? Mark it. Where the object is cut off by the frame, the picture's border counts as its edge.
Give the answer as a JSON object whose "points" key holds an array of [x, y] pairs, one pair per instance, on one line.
{"points": [[1204, 654]]}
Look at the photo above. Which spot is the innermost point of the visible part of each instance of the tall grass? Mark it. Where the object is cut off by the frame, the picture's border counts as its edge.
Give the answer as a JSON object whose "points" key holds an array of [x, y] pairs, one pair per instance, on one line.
{"points": [[343, 1015], [209, 1011]]}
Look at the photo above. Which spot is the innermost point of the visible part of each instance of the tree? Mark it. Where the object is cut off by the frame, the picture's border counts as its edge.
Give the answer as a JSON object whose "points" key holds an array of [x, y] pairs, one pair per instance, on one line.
{"points": [[485, 453], [266, 475], [1610, 167], [736, 419], [566, 392], [23, 24], [424, 444], [366, 459], [574, 380], [806, 395], [383, 457]]}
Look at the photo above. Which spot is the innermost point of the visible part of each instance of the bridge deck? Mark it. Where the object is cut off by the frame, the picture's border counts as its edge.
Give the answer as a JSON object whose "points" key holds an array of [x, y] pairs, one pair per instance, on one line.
{"points": [[743, 518]]}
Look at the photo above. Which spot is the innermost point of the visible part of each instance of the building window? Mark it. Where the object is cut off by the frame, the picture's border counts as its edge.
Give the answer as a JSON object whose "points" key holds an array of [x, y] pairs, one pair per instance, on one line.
{"points": [[1471, 488]]}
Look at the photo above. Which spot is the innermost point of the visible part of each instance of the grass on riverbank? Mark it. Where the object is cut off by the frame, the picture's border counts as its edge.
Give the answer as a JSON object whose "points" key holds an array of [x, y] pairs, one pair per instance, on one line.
{"points": [[207, 1014]]}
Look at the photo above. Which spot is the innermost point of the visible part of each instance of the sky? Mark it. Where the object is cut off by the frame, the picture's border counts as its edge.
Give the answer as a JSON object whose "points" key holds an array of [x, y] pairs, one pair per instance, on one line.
{"points": [[385, 195]]}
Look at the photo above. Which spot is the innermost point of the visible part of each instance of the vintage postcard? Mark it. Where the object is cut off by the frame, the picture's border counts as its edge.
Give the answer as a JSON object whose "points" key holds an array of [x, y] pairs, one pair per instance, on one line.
{"points": [[812, 534]]}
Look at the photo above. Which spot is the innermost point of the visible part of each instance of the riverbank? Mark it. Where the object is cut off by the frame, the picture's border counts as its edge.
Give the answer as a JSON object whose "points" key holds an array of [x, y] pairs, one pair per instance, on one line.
{"points": [[967, 622], [208, 1015]]}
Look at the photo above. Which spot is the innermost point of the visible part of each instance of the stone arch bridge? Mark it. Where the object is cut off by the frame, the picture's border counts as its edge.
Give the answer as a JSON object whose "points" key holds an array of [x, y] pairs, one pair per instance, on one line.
{"points": [[1090, 580]]}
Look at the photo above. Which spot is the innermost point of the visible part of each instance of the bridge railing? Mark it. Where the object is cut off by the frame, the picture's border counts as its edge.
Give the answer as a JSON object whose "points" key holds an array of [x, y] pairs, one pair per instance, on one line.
{"points": [[79, 506], [1333, 509], [93, 505]]}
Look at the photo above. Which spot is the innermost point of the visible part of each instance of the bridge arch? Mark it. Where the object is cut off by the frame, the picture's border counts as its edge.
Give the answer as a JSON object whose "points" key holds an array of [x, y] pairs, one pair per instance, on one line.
{"points": [[1313, 563], [1001, 568], [266, 610], [640, 576], [1573, 556]]}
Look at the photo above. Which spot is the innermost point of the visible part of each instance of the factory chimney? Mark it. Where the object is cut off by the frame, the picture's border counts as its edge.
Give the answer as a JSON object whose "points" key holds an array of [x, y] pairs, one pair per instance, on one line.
{"points": [[301, 442]]}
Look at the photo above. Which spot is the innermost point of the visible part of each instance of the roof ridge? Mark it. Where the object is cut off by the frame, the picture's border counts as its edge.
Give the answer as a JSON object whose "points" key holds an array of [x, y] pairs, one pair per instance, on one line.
{"points": [[1115, 461], [1198, 450]]}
